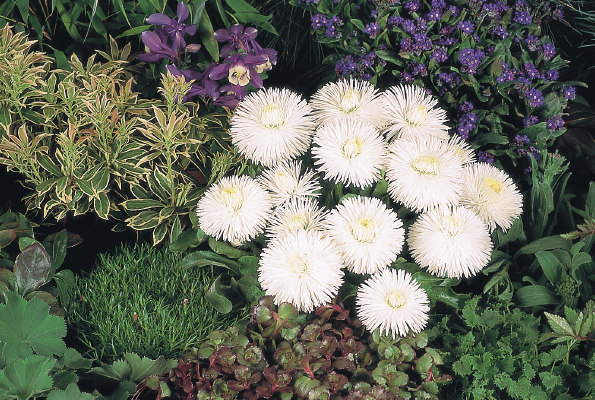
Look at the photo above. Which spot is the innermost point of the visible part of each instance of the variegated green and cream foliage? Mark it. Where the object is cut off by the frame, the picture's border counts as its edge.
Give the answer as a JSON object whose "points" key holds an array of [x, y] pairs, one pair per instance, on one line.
{"points": [[85, 142]]}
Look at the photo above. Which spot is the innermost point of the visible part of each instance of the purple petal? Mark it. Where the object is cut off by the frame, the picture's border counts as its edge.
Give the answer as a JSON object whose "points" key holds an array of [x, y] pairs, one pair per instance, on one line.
{"points": [[191, 30], [236, 29], [252, 60], [172, 69], [252, 32], [222, 35], [220, 71], [211, 87], [229, 101], [183, 12], [152, 40], [159, 19], [255, 79], [226, 49], [149, 57]]}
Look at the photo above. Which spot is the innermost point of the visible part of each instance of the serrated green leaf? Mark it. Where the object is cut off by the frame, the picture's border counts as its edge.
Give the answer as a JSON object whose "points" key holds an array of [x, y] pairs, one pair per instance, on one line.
{"points": [[119, 371], [587, 326], [559, 324], [72, 392], [141, 368], [550, 380], [25, 378], [571, 315], [27, 326], [64, 378]]}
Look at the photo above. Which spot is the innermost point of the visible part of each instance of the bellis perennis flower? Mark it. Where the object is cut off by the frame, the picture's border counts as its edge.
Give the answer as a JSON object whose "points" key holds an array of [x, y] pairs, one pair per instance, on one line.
{"points": [[450, 242], [235, 209], [366, 233], [297, 214], [302, 268], [393, 302], [285, 183], [272, 126]]}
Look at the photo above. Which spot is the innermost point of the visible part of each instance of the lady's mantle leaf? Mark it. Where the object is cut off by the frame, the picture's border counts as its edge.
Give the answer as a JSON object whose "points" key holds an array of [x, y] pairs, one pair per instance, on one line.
{"points": [[27, 326], [23, 379], [72, 392]]}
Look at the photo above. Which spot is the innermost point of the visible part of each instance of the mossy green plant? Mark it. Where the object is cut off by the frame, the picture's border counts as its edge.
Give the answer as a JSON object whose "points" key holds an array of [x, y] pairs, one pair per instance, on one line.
{"points": [[140, 299]]}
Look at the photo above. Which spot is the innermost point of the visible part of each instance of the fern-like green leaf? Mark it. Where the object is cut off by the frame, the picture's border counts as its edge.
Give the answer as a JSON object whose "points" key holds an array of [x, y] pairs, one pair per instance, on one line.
{"points": [[559, 324]]}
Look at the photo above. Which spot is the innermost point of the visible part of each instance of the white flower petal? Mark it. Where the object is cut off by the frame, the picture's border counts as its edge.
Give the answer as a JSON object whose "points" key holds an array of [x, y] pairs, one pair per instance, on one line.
{"points": [[351, 152], [410, 112], [450, 242], [271, 126], [235, 209], [492, 195], [424, 173], [348, 99], [301, 268], [366, 233], [285, 183], [394, 302], [296, 214]]}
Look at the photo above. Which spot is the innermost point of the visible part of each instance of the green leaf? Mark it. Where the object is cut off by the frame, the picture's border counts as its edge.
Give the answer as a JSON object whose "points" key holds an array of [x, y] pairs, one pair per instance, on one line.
{"points": [[56, 248], [65, 283], [205, 31], [100, 180], [546, 243], [225, 249], [559, 324], [72, 359], [141, 204], [137, 30], [101, 205], [580, 259], [141, 368], [25, 378], [217, 300], [49, 165], [550, 265], [513, 233], [248, 265], [119, 371], [535, 295], [358, 24], [72, 392], [159, 233], [64, 378], [32, 268], [186, 239], [202, 258], [27, 326]]}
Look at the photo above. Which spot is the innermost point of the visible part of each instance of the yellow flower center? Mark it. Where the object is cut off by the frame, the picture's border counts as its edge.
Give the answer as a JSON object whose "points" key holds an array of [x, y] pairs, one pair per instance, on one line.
{"points": [[298, 222], [452, 227], [298, 265], [353, 147], [239, 75], [285, 182], [364, 230], [426, 165], [232, 197], [493, 183], [417, 116], [272, 117], [396, 300], [349, 102]]}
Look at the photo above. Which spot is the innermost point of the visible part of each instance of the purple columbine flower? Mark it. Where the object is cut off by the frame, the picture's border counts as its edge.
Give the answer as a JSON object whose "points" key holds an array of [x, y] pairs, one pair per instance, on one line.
{"points": [[238, 39], [157, 46], [239, 70], [535, 97], [174, 28], [569, 92]]}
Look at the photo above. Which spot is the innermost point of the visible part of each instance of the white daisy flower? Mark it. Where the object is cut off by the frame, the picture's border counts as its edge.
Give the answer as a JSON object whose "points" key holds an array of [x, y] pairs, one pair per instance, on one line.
{"points": [[296, 214], [423, 173], [348, 99], [284, 182], [450, 242], [235, 209], [351, 152], [492, 195], [271, 126], [463, 149], [302, 268], [394, 302], [366, 233], [411, 112]]}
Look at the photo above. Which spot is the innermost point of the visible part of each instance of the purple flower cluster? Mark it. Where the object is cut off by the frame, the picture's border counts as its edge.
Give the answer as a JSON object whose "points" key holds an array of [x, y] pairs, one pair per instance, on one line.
{"points": [[224, 83], [530, 121], [569, 92], [554, 123], [548, 51], [484, 156], [521, 140], [331, 25], [466, 27], [467, 123], [535, 97], [358, 66], [372, 29], [471, 59]]}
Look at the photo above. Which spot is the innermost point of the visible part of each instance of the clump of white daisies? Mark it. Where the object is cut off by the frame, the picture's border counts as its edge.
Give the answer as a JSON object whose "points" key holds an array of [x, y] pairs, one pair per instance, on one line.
{"points": [[358, 137]]}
